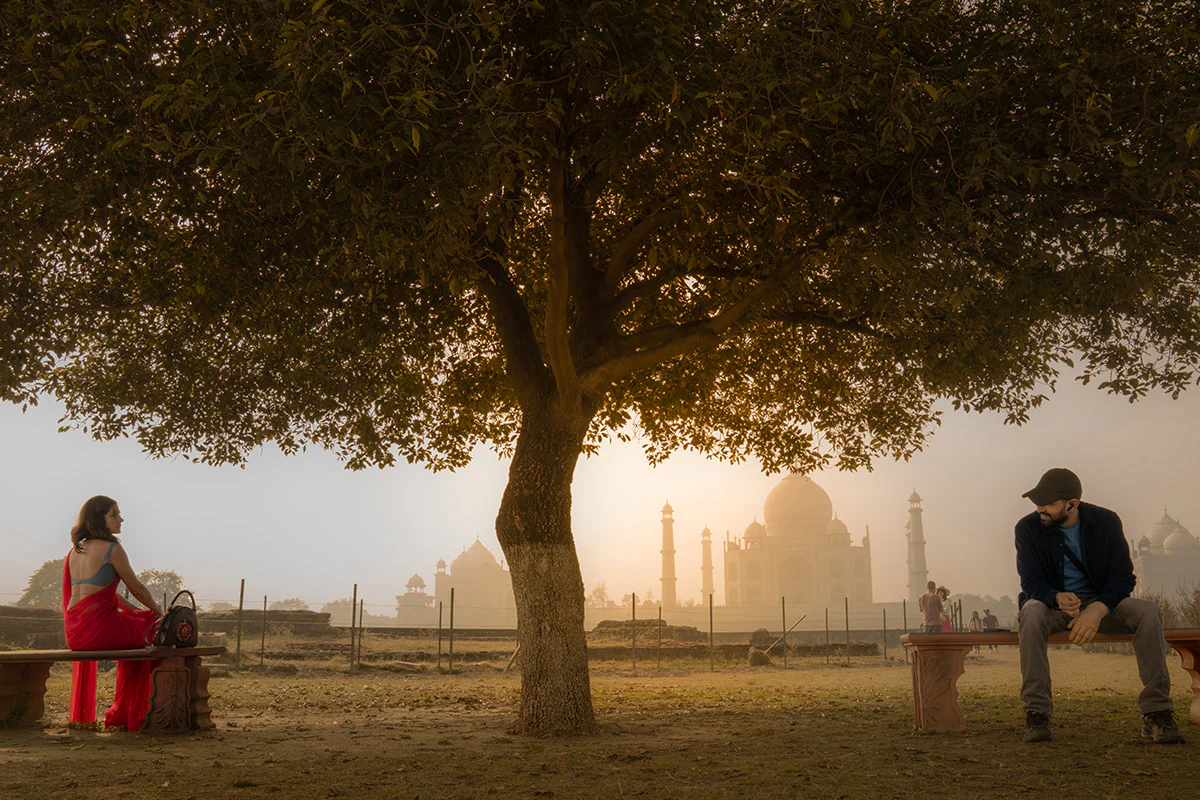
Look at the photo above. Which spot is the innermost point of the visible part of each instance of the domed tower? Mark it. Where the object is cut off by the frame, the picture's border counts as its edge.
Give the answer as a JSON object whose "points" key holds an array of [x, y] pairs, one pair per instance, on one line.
{"points": [[1159, 532], [1180, 542], [706, 567], [918, 573], [797, 509], [837, 534], [414, 595], [668, 557]]}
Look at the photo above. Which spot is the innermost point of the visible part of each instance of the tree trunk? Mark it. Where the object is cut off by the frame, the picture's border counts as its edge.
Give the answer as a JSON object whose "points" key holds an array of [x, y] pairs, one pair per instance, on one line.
{"points": [[534, 529]]}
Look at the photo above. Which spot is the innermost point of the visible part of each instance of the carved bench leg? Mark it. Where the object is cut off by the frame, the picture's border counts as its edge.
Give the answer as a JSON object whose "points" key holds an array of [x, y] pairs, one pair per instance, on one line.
{"points": [[935, 672], [1189, 655], [168, 711], [199, 714], [23, 691]]}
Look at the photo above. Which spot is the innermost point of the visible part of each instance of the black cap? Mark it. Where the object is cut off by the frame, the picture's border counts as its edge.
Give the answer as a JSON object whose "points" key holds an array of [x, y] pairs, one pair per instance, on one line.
{"points": [[1056, 484]]}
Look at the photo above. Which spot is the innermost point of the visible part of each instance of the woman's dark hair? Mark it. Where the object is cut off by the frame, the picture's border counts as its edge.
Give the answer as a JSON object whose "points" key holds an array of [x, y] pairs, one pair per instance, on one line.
{"points": [[91, 524]]}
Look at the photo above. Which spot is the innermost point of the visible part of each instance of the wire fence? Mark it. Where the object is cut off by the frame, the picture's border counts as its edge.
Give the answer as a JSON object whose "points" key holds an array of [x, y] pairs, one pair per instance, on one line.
{"points": [[355, 634]]}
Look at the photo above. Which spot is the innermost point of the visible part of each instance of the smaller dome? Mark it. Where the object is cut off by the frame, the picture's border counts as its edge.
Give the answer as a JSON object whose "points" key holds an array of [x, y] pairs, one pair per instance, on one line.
{"points": [[666, 509], [1180, 541], [1143, 542], [755, 530], [837, 532], [914, 497], [441, 564], [416, 582], [1162, 529]]}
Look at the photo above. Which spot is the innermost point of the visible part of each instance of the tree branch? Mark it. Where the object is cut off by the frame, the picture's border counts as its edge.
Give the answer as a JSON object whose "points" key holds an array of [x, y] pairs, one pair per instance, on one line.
{"points": [[623, 255], [671, 341], [557, 330], [521, 353], [813, 316], [631, 294]]}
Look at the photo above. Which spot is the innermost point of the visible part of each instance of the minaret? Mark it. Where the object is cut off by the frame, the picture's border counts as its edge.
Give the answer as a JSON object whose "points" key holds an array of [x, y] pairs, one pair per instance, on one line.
{"points": [[706, 571], [918, 574], [668, 557]]}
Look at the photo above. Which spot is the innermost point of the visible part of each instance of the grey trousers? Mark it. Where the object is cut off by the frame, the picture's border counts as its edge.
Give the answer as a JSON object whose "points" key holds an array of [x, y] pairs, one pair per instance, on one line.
{"points": [[1036, 621]]}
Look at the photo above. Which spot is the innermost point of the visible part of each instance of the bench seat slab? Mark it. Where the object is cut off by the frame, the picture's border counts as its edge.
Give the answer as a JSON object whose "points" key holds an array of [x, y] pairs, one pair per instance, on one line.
{"points": [[938, 662]]}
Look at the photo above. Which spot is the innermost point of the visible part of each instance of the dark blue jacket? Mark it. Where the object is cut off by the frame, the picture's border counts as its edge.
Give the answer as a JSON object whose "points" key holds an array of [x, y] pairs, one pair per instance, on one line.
{"points": [[1105, 555]]}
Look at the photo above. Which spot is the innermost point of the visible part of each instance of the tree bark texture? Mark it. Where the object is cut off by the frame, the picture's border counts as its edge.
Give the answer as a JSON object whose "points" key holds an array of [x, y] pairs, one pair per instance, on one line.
{"points": [[534, 529]]}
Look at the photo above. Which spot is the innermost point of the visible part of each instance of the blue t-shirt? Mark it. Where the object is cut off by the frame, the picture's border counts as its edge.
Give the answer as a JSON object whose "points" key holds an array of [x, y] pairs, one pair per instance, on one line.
{"points": [[1076, 581]]}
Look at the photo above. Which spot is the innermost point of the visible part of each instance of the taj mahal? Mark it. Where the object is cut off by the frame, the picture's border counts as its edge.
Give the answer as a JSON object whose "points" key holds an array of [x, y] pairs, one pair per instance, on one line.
{"points": [[800, 553]]}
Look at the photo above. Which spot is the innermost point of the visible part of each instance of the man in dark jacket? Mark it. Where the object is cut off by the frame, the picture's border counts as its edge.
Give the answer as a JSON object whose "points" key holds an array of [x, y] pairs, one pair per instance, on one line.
{"points": [[1076, 575]]}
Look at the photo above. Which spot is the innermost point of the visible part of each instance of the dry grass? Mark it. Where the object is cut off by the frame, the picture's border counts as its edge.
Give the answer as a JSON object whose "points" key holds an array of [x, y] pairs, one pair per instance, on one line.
{"points": [[811, 731]]}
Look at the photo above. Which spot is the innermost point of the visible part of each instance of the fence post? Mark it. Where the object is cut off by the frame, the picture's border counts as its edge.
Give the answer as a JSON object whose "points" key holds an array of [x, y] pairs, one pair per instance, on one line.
{"points": [[885, 635], [451, 661], [241, 604], [353, 611], [634, 604], [712, 664], [361, 603], [846, 600], [658, 651], [439, 666], [827, 636], [783, 609], [262, 653]]}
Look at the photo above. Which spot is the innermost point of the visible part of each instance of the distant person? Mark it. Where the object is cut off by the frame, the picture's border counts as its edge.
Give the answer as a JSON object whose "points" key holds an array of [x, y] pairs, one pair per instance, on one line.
{"points": [[990, 623], [930, 604], [97, 618], [944, 594], [1076, 575], [975, 625]]}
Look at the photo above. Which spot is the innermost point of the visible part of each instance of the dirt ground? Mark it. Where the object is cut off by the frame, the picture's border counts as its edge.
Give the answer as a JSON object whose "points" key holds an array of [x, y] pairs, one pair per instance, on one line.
{"points": [[811, 731]]}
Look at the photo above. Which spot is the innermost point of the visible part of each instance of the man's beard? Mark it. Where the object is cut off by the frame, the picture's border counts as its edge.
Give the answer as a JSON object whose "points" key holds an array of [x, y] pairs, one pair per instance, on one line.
{"points": [[1054, 522]]}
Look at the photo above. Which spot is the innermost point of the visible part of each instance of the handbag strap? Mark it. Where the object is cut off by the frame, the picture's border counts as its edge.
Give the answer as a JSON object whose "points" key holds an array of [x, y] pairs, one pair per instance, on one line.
{"points": [[191, 596]]}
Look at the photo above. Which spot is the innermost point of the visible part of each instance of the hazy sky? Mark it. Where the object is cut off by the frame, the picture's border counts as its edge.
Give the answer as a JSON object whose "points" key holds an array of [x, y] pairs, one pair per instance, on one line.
{"points": [[304, 526]]}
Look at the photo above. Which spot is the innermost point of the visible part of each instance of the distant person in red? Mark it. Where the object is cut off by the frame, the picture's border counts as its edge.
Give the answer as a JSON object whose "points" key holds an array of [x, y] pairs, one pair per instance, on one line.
{"points": [[944, 595], [97, 618], [930, 604]]}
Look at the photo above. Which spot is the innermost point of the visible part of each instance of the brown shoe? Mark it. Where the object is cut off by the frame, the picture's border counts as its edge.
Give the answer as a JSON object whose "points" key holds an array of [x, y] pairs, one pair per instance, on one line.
{"points": [[1160, 726], [1037, 727]]}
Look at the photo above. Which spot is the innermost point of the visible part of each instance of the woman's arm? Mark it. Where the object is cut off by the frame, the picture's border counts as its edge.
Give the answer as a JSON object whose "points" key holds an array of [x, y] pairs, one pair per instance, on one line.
{"points": [[120, 562]]}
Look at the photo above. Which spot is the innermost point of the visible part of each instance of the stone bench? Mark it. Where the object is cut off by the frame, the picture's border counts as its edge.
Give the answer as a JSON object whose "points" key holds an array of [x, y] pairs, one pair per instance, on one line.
{"points": [[179, 685], [938, 661]]}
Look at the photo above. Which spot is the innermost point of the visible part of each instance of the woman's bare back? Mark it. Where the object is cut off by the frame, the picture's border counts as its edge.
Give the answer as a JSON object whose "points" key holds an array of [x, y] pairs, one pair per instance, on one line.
{"points": [[85, 565]]}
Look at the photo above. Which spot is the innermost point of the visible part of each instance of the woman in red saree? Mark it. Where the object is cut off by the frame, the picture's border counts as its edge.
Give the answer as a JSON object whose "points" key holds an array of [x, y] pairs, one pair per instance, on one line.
{"points": [[97, 618]]}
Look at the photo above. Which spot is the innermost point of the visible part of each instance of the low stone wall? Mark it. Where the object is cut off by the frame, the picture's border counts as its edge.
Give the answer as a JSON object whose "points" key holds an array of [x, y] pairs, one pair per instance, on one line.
{"points": [[30, 627]]}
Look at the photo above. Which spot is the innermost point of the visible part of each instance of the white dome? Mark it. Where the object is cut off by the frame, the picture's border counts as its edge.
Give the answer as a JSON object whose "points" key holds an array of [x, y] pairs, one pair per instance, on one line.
{"points": [[797, 509], [416, 582], [1180, 541], [474, 557], [1162, 529], [838, 532], [754, 530]]}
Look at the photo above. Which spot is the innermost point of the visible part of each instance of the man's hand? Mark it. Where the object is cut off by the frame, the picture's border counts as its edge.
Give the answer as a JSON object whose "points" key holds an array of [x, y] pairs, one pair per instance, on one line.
{"points": [[1084, 626], [1068, 602]]}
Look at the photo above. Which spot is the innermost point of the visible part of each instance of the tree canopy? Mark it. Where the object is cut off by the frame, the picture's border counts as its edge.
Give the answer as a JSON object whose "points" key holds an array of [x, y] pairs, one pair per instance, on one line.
{"points": [[44, 588], [235, 225], [770, 230]]}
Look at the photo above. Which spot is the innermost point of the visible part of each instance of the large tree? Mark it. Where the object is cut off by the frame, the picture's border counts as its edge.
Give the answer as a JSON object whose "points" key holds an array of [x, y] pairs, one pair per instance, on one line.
{"points": [[774, 230]]}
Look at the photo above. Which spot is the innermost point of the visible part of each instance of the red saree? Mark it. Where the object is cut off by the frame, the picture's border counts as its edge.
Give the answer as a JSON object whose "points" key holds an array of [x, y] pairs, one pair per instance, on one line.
{"points": [[98, 622]]}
